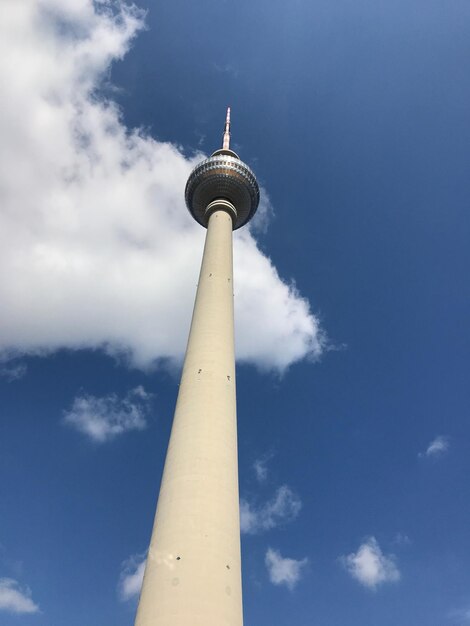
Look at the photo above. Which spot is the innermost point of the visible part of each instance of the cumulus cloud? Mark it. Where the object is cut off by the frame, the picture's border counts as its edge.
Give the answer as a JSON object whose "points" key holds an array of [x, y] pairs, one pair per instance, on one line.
{"points": [[132, 575], [104, 418], [96, 246], [14, 598], [281, 509], [438, 446], [283, 571], [370, 566]]}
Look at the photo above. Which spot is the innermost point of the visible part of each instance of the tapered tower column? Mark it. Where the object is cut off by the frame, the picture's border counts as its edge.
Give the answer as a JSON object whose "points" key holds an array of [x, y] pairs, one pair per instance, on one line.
{"points": [[193, 571]]}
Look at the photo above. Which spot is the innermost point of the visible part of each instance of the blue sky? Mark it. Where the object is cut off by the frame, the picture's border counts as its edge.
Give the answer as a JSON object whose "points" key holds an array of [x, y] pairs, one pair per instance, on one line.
{"points": [[351, 289]]}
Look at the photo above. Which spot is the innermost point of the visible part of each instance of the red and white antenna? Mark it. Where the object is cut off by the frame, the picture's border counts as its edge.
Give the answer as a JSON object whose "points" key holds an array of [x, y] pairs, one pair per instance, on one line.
{"points": [[226, 142]]}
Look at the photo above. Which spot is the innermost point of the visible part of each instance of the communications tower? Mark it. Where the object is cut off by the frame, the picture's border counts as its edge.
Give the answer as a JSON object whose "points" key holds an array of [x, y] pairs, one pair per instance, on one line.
{"points": [[193, 571]]}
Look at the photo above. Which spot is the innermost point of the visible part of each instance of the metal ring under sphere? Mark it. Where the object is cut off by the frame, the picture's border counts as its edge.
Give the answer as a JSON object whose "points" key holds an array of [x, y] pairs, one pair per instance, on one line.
{"points": [[222, 176]]}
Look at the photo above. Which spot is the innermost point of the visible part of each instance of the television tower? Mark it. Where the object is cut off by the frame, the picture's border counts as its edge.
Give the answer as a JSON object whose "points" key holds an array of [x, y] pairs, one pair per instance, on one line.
{"points": [[193, 571]]}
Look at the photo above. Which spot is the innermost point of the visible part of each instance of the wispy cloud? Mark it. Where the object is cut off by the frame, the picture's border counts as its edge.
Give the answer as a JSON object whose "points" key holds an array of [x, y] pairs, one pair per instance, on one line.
{"points": [[402, 539], [132, 575], [460, 616], [260, 467], [282, 508], [261, 470], [14, 598], [103, 419], [370, 566], [438, 446], [13, 371], [226, 68], [284, 571]]}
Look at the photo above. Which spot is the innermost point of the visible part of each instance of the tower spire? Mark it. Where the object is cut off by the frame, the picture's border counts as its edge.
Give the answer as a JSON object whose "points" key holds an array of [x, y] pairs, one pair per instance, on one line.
{"points": [[226, 142]]}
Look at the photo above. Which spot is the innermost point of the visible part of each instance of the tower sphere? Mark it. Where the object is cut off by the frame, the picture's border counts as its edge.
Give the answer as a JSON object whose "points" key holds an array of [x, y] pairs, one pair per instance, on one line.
{"points": [[223, 176]]}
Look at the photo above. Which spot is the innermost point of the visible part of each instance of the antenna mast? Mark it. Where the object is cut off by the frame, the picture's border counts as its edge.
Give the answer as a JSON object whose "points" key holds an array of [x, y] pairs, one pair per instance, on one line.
{"points": [[226, 142]]}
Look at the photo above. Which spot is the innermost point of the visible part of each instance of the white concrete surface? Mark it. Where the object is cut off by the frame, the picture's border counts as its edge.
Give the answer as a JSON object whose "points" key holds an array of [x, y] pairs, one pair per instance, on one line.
{"points": [[193, 573]]}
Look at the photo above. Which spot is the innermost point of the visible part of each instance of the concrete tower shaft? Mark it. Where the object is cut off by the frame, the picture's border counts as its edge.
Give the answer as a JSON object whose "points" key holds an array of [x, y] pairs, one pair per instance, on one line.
{"points": [[193, 571]]}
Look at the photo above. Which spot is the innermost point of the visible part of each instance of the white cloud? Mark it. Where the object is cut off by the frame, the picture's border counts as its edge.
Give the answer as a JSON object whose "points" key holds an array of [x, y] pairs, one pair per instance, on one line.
{"points": [[132, 575], [104, 418], [438, 446], [261, 470], [283, 571], [370, 566], [15, 599], [402, 539], [96, 246], [281, 509], [460, 616], [261, 467], [13, 371]]}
